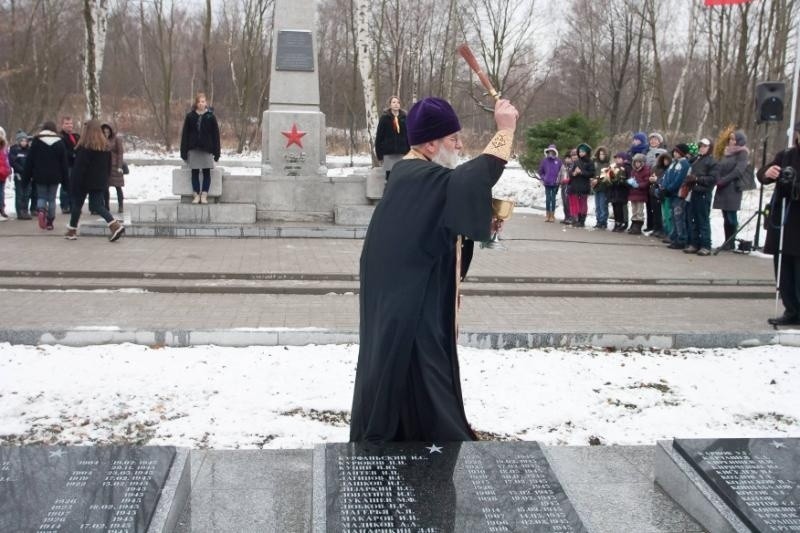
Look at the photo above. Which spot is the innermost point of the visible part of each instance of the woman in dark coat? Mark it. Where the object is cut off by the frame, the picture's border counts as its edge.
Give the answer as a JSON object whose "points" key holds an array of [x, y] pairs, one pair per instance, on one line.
{"points": [[618, 191], [117, 178], [90, 178], [391, 141], [200, 146], [729, 172]]}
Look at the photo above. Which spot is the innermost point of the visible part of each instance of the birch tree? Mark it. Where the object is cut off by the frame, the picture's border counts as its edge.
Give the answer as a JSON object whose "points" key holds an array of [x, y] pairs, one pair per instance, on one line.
{"points": [[95, 18], [366, 66]]}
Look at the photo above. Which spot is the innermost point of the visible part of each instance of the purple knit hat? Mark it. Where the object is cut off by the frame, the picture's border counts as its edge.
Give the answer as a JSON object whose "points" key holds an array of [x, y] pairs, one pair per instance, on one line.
{"points": [[430, 119]]}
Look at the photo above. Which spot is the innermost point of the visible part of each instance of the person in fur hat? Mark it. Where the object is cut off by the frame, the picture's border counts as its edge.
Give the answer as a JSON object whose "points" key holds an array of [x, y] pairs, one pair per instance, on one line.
{"points": [[639, 191], [549, 172]]}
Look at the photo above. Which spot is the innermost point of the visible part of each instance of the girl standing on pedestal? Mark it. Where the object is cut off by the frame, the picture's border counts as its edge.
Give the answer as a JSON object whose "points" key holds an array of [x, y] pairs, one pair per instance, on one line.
{"points": [[200, 146]]}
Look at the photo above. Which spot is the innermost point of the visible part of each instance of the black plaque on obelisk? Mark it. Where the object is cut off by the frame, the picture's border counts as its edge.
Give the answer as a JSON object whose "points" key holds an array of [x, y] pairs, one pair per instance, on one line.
{"points": [[444, 487], [47, 489], [759, 479], [295, 51]]}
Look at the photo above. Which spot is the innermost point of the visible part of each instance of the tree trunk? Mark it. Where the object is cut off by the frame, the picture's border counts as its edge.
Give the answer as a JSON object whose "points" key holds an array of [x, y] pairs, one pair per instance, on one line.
{"points": [[95, 18], [366, 67]]}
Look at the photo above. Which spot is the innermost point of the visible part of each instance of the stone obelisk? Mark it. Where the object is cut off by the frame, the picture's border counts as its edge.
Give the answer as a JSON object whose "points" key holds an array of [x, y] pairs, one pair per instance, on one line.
{"points": [[294, 185]]}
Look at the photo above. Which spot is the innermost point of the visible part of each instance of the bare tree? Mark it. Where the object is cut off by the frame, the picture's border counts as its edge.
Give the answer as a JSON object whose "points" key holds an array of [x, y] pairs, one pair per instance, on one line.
{"points": [[247, 28], [95, 19], [366, 66]]}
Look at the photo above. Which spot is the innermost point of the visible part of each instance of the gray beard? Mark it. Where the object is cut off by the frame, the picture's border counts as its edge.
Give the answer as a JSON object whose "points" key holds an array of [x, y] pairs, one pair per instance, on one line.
{"points": [[446, 158]]}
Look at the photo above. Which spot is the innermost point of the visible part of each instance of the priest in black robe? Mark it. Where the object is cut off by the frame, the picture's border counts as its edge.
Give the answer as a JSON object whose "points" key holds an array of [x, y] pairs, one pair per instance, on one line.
{"points": [[416, 252]]}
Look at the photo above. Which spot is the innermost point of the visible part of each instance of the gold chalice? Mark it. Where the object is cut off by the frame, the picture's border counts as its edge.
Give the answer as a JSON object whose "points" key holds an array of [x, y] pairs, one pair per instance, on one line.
{"points": [[502, 209]]}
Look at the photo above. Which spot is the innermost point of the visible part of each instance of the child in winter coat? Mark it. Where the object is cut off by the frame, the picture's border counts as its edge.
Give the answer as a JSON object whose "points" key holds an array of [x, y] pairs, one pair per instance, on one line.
{"points": [[600, 187], [618, 191], [580, 185], [22, 183], [671, 186], [639, 191], [549, 172], [5, 172]]}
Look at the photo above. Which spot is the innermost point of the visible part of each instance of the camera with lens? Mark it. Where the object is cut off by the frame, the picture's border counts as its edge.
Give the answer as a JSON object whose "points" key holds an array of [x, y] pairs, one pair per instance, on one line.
{"points": [[787, 177]]}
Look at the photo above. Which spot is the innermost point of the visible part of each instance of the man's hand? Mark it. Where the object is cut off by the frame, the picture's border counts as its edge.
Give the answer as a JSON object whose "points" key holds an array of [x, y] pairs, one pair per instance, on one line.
{"points": [[505, 115], [773, 172]]}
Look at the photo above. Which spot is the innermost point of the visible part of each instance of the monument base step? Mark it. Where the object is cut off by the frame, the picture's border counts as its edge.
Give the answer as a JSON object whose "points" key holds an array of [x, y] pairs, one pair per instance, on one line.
{"points": [[175, 211], [353, 215], [263, 230]]}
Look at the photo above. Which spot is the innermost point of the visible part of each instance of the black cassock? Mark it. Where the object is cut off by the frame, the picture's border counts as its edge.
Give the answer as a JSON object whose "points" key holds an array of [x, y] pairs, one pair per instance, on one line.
{"points": [[407, 384]]}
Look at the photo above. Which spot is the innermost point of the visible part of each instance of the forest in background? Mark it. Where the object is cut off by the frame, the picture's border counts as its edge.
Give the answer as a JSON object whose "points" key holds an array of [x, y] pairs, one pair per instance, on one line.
{"points": [[673, 66]]}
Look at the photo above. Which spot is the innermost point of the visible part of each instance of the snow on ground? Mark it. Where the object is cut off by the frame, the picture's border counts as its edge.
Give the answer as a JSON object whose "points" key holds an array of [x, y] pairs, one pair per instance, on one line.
{"points": [[289, 397]]}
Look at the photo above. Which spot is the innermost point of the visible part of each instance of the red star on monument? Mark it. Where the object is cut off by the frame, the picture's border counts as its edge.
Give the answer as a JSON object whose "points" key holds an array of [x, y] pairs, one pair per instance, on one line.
{"points": [[294, 136]]}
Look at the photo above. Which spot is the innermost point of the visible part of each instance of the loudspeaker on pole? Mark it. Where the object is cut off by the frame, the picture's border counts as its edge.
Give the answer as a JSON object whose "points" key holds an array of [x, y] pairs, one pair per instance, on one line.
{"points": [[769, 101]]}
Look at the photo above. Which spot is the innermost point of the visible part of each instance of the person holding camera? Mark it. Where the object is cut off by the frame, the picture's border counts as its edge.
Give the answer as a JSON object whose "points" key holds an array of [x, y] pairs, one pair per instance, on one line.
{"points": [[783, 172]]}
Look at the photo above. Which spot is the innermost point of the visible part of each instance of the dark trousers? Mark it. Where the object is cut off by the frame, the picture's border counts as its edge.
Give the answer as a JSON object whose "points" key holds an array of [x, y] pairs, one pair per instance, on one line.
{"points": [[64, 197], [620, 216], [699, 210], [22, 195], [96, 205], [107, 198], [679, 234], [196, 179], [789, 287], [565, 201]]}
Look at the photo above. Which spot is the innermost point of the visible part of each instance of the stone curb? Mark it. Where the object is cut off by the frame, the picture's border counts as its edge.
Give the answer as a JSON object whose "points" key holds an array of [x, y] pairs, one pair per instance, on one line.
{"points": [[227, 231], [335, 276], [243, 337]]}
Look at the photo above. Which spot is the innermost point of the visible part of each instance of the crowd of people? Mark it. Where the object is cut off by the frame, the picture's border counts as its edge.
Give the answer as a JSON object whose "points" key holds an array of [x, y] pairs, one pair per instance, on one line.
{"points": [[665, 193], [60, 169]]}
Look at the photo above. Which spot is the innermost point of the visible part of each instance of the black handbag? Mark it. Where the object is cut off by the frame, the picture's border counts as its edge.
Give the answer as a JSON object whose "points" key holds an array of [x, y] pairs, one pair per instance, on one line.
{"points": [[125, 169]]}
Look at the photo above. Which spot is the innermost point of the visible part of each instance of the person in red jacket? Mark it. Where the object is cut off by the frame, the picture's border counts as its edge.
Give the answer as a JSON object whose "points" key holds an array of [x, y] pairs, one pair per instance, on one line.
{"points": [[5, 172]]}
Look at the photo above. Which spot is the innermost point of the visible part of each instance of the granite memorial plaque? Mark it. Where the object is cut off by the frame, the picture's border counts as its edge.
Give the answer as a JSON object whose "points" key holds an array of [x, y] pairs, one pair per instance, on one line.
{"points": [[759, 479], [49, 489], [444, 487], [295, 51]]}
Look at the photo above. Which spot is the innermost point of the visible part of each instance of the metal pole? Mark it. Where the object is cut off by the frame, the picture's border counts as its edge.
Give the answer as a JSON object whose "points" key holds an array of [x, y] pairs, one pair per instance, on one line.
{"points": [[761, 186], [780, 257]]}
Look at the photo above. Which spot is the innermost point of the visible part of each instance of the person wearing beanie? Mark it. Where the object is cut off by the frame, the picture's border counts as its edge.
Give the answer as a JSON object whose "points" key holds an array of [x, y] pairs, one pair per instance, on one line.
{"points": [[417, 248], [22, 183], [580, 178], [656, 148], [549, 171], [671, 186], [638, 144], [563, 181], [618, 191], [700, 181], [730, 173], [391, 140], [662, 214], [784, 216], [639, 191], [600, 186]]}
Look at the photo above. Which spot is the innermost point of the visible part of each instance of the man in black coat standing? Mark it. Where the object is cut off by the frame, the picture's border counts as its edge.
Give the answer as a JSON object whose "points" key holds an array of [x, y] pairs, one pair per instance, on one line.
{"points": [[784, 172], [416, 251]]}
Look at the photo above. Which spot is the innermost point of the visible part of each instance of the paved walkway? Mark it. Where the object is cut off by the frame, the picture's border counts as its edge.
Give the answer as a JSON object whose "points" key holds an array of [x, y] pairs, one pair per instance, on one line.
{"points": [[551, 285]]}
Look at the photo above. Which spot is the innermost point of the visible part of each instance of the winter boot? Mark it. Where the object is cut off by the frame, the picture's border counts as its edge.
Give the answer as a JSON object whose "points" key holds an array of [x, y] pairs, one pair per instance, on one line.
{"points": [[204, 197], [50, 225], [636, 227], [41, 217], [195, 198], [728, 232], [71, 234], [581, 221], [3, 211], [23, 215], [117, 230]]}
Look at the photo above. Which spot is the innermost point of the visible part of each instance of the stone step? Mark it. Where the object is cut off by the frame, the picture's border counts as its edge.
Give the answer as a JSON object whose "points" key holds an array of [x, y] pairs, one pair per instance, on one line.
{"points": [[353, 215], [323, 287], [177, 212]]}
